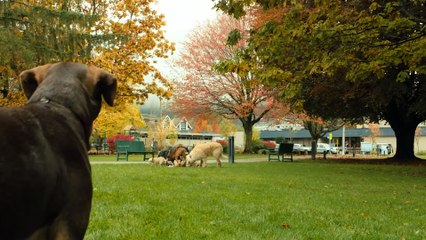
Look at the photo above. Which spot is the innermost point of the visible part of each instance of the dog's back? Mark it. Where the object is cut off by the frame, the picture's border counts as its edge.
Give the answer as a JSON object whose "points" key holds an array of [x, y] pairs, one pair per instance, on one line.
{"points": [[210, 148], [202, 150], [41, 148], [45, 177]]}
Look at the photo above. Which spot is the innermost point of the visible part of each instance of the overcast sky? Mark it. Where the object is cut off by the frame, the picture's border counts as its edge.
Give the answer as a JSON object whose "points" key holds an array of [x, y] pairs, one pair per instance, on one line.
{"points": [[181, 17]]}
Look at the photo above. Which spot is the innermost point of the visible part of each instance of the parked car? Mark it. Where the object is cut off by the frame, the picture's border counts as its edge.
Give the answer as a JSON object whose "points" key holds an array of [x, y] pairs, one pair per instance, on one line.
{"points": [[333, 148], [346, 150], [301, 149], [384, 148], [323, 147]]}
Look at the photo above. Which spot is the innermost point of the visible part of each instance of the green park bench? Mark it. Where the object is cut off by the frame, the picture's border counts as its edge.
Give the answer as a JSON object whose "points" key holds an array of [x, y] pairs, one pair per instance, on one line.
{"points": [[124, 148], [280, 154]]}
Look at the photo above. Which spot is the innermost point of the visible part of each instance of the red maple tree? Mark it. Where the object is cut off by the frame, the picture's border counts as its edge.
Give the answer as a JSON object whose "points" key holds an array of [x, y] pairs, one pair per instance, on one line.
{"points": [[236, 94]]}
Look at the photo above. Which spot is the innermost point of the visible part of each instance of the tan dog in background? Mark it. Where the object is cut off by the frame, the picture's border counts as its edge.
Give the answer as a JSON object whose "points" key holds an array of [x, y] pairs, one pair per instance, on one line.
{"points": [[194, 164], [203, 150]]}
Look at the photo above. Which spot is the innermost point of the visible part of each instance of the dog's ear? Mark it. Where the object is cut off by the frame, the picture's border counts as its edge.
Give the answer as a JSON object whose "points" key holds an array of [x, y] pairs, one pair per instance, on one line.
{"points": [[108, 86], [30, 79], [105, 84]]}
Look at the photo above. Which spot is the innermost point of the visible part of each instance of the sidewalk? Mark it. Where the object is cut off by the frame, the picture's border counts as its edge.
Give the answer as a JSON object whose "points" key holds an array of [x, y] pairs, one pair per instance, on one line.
{"points": [[208, 161], [252, 160]]}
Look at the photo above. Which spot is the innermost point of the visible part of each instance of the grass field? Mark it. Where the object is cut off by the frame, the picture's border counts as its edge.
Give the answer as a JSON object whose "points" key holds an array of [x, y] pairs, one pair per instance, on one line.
{"points": [[263, 200]]}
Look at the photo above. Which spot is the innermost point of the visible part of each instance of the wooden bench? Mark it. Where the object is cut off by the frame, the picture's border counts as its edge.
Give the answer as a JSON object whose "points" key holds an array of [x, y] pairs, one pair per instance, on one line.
{"points": [[280, 154], [125, 147]]}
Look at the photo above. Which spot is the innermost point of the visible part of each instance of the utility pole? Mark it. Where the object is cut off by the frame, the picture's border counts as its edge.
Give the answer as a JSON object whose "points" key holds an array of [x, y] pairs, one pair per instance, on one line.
{"points": [[343, 140]]}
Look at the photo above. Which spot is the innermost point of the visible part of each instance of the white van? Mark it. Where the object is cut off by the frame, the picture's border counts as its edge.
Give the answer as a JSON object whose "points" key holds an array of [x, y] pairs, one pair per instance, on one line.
{"points": [[323, 147]]}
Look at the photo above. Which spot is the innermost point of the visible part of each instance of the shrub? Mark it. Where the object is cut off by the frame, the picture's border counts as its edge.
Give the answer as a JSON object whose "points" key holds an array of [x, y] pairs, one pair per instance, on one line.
{"points": [[421, 153], [238, 149], [224, 144], [111, 140], [257, 145]]}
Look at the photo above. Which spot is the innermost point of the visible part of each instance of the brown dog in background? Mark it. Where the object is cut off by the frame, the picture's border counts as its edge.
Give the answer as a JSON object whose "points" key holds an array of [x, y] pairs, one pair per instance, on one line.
{"points": [[179, 153], [45, 176]]}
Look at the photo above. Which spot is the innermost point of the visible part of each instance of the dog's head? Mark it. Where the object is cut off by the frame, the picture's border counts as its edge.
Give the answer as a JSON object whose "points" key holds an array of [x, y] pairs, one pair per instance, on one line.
{"points": [[179, 153], [70, 84], [188, 157]]}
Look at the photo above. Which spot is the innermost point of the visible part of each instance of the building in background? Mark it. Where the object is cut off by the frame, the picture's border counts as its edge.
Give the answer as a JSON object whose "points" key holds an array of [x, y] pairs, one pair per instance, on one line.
{"points": [[156, 114], [353, 137]]}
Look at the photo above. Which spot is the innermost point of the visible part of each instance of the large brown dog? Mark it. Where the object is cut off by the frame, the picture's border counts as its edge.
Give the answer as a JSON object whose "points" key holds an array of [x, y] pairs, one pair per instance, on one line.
{"points": [[45, 178], [202, 150], [178, 152]]}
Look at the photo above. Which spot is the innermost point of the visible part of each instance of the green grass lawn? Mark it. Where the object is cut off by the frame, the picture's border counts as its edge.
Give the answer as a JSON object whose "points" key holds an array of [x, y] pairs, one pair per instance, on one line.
{"points": [[265, 200]]}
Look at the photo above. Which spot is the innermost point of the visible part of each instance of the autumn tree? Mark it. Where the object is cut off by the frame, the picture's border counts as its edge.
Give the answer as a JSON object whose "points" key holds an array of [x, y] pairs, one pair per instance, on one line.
{"points": [[357, 60], [318, 128], [207, 123], [218, 78], [202, 124], [36, 32], [227, 127], [173, 136], [127, 114], [137, 41], [124, 37], [158, 132], [375, 131]]}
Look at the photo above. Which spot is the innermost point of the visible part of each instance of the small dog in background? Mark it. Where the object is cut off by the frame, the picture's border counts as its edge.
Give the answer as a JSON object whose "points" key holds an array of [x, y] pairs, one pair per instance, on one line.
{"points": [[158, 161]]}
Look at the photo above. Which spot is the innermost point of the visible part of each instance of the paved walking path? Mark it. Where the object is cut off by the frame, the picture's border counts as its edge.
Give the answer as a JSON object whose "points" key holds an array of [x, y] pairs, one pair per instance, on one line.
{"points": [[208, 161], [251, 160]]}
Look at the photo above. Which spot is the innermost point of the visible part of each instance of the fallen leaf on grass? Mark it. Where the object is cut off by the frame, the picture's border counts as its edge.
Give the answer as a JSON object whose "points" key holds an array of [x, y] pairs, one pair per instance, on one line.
{"points": [[285, 225]]}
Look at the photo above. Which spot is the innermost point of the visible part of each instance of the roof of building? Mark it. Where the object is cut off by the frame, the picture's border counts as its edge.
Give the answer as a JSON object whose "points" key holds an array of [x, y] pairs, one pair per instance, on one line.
{"points": [[349, 132]]}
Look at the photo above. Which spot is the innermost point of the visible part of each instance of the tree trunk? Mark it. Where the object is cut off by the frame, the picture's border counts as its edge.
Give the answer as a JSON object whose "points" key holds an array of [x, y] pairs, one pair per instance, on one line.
{"points": [[248, 131], [317, 131], [314, 148], [404, 125], [404, 134]]}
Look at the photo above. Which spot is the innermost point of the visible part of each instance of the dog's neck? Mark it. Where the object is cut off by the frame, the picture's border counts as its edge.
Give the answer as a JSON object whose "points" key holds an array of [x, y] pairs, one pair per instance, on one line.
{"points": [[85, 122]]}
